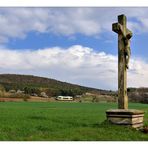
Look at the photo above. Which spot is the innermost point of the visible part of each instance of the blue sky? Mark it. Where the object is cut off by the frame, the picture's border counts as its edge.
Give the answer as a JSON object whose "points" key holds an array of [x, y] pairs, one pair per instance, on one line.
{"points": [[107, 42], [44, 40], [75, 45]]}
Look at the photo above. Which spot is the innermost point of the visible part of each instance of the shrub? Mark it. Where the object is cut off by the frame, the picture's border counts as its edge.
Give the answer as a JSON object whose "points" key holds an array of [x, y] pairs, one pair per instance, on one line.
{"points": [[17, 95]]}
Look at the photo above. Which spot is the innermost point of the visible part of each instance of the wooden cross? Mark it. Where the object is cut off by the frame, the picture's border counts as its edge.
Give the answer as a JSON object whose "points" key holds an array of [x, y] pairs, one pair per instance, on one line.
{"points": [[124, 36]]}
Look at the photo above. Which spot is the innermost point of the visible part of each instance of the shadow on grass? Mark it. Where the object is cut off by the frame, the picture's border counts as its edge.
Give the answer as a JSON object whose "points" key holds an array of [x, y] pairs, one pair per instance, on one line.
{"points": [[108, 125], [102, 124], [43, 128], [38, 118]]}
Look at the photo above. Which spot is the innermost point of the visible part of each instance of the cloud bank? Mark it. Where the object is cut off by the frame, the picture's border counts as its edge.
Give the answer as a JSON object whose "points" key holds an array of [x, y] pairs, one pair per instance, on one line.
{"points": [[17, 22], [76, 64]]}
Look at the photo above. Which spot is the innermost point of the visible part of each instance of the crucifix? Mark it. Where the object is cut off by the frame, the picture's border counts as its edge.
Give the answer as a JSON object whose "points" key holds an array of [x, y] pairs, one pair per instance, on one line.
{"points": [[123, 115], [124, 36]]}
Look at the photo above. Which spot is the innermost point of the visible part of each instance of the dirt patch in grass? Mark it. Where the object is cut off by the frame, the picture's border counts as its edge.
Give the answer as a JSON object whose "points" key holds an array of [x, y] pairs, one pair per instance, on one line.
{"points": [[11, 99]]}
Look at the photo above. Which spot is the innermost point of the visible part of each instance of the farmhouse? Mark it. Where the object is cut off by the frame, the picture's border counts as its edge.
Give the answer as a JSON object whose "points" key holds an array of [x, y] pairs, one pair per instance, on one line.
{"points": [[64, 98]]}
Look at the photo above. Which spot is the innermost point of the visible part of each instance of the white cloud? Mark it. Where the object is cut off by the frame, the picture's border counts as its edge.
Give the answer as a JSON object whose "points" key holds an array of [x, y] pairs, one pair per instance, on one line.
{"points": [[17, 22], [76, 64]]}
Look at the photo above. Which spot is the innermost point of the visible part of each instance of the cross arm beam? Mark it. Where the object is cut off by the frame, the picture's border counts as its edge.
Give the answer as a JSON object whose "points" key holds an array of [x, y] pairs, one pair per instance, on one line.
{"points": [[117, 27]]}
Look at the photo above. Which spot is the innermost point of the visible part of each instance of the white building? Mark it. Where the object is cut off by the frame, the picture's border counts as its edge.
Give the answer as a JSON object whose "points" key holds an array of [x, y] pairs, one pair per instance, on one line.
{"points": [[64, 98]]}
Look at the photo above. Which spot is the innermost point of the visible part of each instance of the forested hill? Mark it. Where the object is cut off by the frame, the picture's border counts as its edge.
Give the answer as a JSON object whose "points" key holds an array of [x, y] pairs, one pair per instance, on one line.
{"points": [[34, 84]]}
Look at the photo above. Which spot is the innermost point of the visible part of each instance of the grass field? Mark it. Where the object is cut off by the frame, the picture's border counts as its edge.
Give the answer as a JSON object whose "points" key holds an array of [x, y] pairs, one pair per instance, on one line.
{"points": [[63, 121]]}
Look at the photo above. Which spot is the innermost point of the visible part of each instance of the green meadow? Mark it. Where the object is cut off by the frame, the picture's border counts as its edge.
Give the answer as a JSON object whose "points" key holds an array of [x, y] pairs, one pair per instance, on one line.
{"points": [[64, 121]]}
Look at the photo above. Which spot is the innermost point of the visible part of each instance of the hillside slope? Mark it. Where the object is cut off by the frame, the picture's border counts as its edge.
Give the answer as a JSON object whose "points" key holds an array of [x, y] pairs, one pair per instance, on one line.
{"points": [[35, 84]]}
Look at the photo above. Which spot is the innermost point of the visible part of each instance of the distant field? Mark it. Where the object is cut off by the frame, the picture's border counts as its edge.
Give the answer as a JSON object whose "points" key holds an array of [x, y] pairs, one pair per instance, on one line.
{"points": [[63, 121]]}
